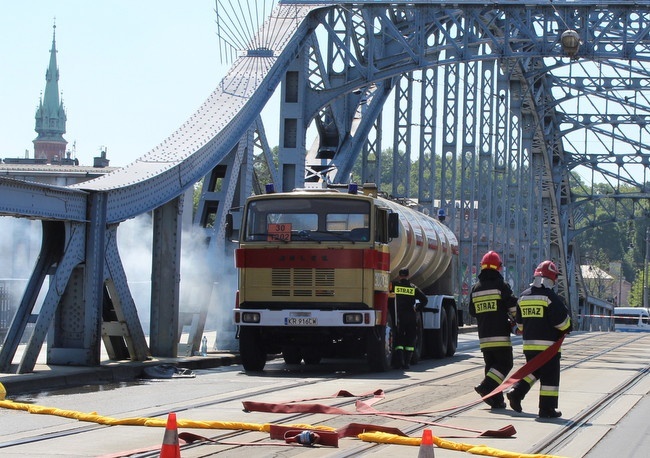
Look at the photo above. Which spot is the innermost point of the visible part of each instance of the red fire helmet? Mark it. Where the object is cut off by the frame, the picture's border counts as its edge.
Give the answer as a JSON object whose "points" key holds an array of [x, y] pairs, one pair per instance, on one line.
{"points": [[491, 260], [546, 269]]}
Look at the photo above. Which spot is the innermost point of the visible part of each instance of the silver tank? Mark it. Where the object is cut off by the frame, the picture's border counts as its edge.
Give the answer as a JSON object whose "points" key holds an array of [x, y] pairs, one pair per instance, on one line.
{"points": [[425, 246]]}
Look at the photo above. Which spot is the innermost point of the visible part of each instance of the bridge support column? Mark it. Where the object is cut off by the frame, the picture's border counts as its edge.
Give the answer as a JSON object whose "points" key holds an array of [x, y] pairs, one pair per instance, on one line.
{"points": [[76, 335], [165, 274], [292, 128]]}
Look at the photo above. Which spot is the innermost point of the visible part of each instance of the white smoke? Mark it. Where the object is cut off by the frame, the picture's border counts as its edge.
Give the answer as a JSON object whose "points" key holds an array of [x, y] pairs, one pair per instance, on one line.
{"points": [[208, 284], [134, 242], [208, 280], [19, 247]]}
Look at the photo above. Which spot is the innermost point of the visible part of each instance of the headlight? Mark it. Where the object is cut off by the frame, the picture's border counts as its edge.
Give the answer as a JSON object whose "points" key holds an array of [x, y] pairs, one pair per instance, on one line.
{"points": [[250, 317], [352, 318]]}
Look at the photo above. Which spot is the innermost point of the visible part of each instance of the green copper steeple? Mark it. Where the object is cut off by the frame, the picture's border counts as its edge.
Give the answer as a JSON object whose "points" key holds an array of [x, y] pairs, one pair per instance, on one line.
{"points": [[50, 115]]}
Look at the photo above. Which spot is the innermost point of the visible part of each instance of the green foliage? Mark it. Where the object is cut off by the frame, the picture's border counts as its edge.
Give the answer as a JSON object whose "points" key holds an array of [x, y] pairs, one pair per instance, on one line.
{"points": [[617, 230], [386, 171], [198, 186], [261, 168], [636, 294]]}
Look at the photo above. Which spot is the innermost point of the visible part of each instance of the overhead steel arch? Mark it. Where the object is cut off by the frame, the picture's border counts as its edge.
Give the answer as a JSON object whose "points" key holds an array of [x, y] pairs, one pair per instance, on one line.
{"points": [[509, 125], [211, 132]]}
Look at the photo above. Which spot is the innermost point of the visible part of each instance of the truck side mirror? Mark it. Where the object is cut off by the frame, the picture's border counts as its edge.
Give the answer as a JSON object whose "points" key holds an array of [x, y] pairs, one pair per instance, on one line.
{"points": [[229, 226], [393, 225]]}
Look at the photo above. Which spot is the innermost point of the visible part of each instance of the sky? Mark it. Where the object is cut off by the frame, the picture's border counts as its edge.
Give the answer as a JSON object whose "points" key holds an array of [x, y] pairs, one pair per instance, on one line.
{"points": [[131, 72]]}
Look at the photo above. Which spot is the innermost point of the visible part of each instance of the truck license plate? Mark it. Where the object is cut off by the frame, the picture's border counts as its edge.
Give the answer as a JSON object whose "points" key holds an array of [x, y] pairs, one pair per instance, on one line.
{"points": [[300, 321]]}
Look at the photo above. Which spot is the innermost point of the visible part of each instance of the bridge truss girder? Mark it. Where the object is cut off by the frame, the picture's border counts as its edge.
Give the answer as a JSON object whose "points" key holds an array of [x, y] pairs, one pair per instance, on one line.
{"points": [[503, 137]]}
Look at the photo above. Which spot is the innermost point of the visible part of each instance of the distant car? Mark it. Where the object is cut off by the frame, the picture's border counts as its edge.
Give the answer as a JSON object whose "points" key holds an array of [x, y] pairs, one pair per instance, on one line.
{"points": [[631, 319]]}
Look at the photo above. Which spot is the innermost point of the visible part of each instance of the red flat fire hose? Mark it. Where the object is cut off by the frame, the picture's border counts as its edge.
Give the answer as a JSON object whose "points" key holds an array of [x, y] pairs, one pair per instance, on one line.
{"points": [[293, 435], [365, 406]]}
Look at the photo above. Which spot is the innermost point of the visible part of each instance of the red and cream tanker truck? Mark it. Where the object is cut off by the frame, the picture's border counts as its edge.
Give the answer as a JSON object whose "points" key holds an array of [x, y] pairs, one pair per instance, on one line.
{"points": [[314, 269]]}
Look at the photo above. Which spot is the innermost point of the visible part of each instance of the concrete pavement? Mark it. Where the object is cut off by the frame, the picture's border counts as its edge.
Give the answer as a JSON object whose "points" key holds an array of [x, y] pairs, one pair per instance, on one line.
{"points": [[47, 378]]}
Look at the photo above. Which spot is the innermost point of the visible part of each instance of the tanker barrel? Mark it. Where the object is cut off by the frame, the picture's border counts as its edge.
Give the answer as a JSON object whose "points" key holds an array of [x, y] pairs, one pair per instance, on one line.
{"points": [[425, 246]]}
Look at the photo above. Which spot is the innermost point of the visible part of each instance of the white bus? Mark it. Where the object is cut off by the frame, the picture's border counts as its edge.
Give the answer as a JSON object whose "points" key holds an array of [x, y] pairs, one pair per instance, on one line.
{"points": [[631, 319]]}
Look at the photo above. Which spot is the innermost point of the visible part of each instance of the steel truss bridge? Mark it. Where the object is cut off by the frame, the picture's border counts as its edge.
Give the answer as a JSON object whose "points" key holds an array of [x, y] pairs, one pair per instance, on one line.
{"points": [[497, 113]]}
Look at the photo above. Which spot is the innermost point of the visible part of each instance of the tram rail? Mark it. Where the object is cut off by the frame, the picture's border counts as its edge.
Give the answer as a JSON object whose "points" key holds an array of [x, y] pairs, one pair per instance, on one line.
{"points": [[578, 349]]}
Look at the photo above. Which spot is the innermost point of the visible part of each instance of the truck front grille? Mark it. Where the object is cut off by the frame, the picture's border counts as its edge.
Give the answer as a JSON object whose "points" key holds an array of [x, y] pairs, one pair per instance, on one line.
{"points": [[302, 282]]}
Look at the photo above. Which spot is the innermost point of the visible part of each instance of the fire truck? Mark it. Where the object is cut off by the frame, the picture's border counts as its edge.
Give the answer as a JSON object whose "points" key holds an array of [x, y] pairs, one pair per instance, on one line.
{"points": [[314, 267]]}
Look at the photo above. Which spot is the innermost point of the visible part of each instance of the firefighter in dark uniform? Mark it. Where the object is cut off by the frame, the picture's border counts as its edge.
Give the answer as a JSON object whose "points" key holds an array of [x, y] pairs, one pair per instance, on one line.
{"points": [[405, 294], [543, 319], [494, 306]]}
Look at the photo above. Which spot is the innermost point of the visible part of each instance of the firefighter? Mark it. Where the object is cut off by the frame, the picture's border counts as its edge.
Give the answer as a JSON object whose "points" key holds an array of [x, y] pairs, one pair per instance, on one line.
{"points": [[405, 294], [494, 306], [543, 318]]}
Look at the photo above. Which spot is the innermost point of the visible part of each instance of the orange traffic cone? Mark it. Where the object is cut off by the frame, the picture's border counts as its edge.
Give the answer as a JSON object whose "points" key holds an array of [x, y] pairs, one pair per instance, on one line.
{"points": [[426, 446], [170, 446]]}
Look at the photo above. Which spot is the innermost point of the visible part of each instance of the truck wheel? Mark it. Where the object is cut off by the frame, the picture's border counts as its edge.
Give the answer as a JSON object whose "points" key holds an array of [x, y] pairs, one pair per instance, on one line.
{"points": [[311, 355], [452, 344], [291, 355], [439, 338], [379, 350], [251, 350]]}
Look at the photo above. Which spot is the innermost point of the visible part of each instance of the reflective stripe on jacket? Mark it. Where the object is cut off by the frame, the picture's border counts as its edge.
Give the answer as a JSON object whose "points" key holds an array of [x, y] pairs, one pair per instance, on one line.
{"points": [[543, 317]]}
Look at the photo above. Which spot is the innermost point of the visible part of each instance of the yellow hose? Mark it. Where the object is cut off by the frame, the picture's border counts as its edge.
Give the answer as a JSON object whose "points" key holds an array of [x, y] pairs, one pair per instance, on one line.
{"points": [[386, 438], [377, 437]]}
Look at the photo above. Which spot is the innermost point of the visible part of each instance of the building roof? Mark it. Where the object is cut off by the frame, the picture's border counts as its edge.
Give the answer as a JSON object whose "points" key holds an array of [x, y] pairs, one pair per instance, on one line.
{"points": [[18, 170], [594, 272]]}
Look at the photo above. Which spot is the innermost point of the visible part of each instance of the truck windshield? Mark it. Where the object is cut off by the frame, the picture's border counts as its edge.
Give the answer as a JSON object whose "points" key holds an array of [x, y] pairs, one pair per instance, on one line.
{"points": [[309, 219]]}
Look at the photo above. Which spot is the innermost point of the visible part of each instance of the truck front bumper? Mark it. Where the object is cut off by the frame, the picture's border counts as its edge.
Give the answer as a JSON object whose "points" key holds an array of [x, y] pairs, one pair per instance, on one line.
{"points": [[306, 318]]}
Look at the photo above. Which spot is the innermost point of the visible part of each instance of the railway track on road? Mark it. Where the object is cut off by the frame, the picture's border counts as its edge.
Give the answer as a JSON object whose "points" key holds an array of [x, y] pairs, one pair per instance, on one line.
{"points": [[443, 386], [574, 425]]}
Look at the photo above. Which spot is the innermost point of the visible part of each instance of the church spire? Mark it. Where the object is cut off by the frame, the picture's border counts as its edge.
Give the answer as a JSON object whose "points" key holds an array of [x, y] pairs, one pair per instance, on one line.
{"points": [[50, 114]]}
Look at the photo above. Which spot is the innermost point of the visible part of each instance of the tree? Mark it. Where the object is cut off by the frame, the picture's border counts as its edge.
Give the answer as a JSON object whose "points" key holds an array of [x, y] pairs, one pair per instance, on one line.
{"points": [[636, 294], [198, 186], [261, 168]]}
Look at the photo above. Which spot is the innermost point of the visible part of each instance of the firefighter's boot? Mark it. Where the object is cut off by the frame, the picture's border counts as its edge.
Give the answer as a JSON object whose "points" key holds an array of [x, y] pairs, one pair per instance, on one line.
{"points": [[517, 395], [482, 390], [406, 363], [399, 358], [495, 401], [549, 413]]}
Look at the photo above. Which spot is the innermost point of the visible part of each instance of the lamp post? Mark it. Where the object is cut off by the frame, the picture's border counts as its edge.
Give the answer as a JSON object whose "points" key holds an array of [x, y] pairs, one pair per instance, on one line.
{"points": [[620, 285], [646, 300]]}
